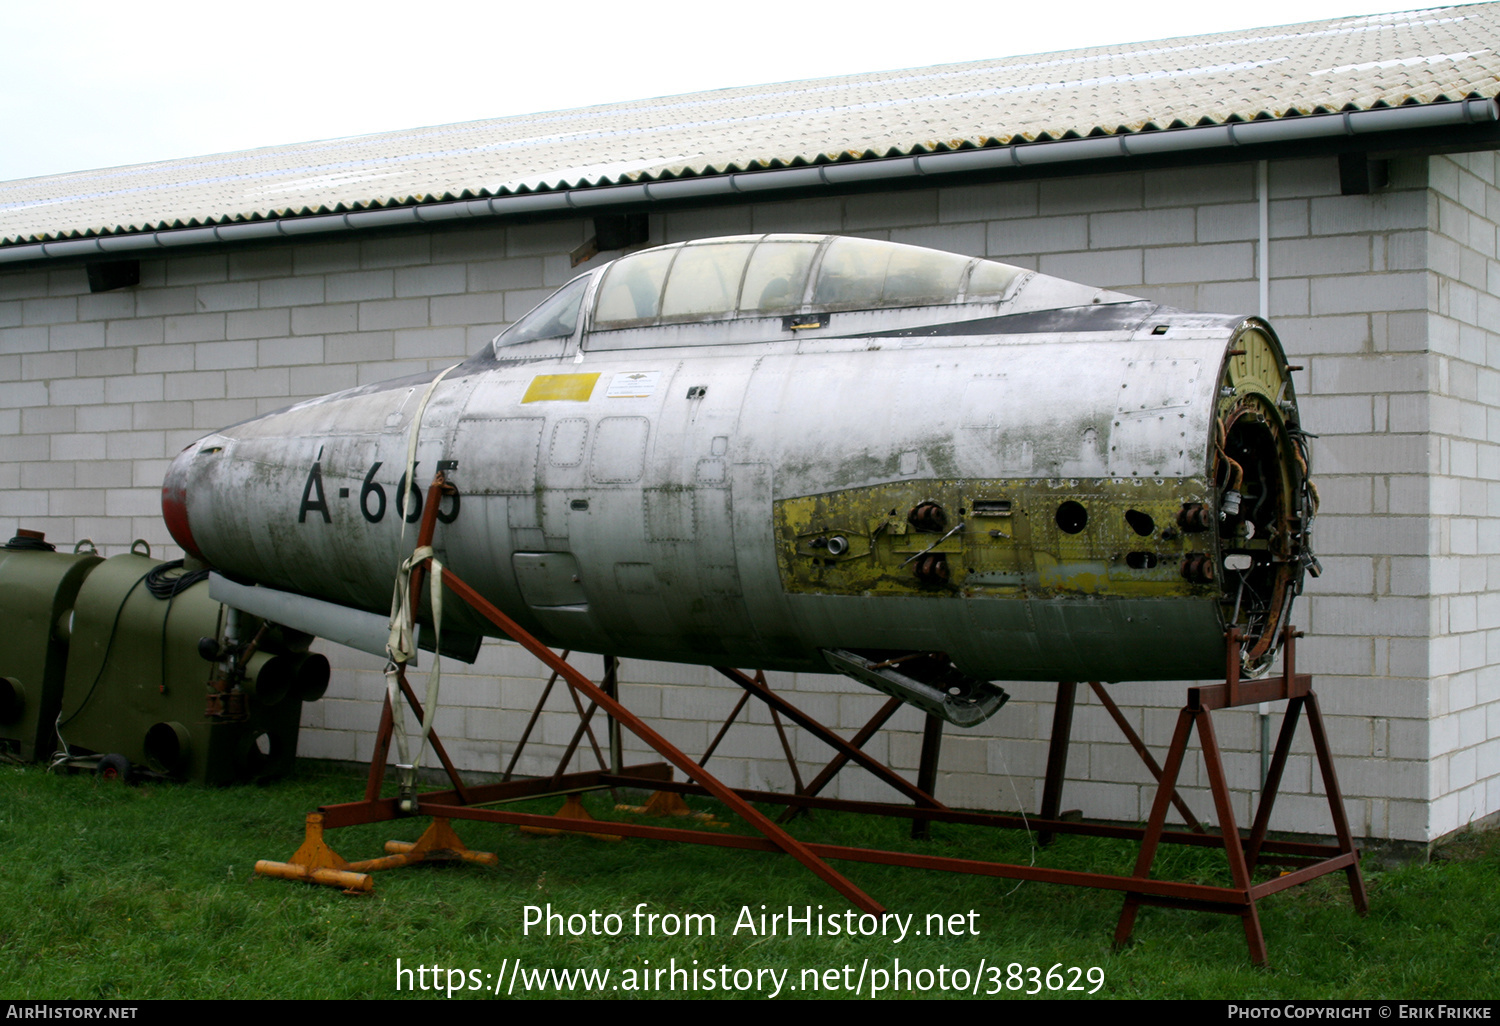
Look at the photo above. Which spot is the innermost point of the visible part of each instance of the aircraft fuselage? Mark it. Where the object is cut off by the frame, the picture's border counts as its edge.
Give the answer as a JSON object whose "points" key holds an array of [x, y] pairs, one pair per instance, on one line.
{"points": [[1044, 484]]}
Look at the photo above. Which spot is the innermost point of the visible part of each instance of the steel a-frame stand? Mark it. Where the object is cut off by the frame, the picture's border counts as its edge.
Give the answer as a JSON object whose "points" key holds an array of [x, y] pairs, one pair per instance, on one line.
{"points": [[316, 862], [1244, 855]]}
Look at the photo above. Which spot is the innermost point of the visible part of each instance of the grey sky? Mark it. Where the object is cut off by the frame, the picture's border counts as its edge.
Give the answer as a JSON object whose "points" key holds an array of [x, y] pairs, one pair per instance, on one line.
{"points": [[89, 84]]}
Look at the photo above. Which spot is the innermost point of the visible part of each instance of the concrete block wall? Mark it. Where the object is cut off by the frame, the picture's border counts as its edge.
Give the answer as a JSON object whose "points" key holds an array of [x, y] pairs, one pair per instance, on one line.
{"points": [[1463, 488], [98, 391]]}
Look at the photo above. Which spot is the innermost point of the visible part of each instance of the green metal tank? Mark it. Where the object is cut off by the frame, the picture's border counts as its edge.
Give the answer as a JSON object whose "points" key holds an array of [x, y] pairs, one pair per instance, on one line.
{"points": [[140, 669], [38, 586]]}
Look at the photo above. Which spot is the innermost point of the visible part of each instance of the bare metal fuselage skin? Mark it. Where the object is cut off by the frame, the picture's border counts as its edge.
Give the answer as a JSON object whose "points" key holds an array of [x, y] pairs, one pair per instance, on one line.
{"points": [[748, 494]]}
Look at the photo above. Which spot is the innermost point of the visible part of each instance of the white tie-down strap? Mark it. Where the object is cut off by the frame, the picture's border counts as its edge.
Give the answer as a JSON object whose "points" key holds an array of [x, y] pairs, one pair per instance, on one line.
{"points": [[399, 647], [400, 650], [411, 448]]}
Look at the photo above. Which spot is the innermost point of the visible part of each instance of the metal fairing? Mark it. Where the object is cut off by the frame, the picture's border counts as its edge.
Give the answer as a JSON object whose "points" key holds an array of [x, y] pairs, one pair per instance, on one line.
{"points": [[1052, 482]]}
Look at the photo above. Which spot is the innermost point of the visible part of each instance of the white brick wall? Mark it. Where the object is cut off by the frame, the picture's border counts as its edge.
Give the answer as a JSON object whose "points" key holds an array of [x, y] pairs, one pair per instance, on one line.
{"points": [[1390, 302], [1464, 347]]}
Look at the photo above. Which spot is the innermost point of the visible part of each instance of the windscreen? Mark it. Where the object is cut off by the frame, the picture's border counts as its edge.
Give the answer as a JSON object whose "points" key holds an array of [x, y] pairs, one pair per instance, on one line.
{"points": [[555, 317]]}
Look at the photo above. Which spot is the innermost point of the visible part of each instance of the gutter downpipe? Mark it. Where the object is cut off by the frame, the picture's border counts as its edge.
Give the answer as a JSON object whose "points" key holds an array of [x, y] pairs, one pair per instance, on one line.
{"points": [[595, 198], [1263, 273]]}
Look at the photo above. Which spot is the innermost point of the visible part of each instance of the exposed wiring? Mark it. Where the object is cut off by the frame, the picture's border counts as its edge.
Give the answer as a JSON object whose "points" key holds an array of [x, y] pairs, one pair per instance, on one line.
{"points": [[1030, 837], [1238, 473], [951, 532], [1265, 493]]}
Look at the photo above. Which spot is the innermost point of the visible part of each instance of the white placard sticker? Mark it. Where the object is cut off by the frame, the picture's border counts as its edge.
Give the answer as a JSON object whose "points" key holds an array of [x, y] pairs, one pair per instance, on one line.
{"points": [[633, 385]]}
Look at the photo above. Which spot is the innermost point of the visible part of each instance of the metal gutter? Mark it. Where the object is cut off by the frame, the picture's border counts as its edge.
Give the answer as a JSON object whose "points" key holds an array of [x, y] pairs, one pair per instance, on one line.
{"points": [[594, 198]]}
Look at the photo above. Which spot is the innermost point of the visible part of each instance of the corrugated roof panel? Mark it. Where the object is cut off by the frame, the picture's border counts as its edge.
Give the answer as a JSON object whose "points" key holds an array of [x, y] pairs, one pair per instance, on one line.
{"points": [[1348, 63]]}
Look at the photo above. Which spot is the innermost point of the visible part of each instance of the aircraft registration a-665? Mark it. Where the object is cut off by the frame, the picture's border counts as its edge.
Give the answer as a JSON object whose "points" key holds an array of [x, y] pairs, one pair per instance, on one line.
{"points": [[802, 452]]}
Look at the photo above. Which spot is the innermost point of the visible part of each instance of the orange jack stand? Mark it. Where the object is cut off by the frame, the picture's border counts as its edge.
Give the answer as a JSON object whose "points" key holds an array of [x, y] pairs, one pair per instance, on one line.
{"points": [[670, 803], [315, 862], [438, 843], [572, 808]]}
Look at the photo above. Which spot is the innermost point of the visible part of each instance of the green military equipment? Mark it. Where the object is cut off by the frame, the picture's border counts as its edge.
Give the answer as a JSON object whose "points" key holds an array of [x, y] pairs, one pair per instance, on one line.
{"points": [[140, 670], [112, 663], [37, 588]]}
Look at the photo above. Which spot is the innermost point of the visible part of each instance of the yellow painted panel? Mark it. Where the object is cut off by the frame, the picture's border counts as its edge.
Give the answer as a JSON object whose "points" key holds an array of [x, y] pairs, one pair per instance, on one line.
{"points": [[572, 387], [1022, 553]]}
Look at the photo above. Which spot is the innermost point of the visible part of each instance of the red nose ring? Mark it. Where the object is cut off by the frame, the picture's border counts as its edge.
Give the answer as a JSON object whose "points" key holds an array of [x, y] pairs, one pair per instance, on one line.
{"points": [[174, 504]]}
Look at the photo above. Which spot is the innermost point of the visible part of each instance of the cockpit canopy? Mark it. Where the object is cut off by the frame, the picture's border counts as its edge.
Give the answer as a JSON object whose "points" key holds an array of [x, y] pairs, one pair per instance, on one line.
{"points": [[773, 275], [759, 276]]}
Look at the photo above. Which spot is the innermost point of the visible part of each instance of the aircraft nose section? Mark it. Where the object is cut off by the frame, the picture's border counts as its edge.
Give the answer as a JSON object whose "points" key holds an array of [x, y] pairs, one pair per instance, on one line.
{"points": [[174, 501]]}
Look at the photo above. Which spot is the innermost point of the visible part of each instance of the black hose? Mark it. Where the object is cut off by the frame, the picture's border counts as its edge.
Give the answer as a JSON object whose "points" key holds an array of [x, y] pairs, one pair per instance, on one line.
{"points": [[103, 662], [162, 582]]}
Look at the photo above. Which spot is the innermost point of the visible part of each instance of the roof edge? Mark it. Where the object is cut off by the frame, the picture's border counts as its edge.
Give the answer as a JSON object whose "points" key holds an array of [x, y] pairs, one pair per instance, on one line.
{"points": [[594, 199]]}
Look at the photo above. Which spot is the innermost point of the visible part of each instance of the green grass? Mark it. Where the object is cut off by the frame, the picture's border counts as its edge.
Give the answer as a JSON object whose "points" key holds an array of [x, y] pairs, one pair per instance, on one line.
{"points": [[149, 892]]}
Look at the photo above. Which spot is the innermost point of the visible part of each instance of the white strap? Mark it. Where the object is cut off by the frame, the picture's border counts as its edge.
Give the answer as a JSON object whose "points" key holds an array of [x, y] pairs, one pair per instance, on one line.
{"points": [[411, 449], [400, 649], [399, 646]]}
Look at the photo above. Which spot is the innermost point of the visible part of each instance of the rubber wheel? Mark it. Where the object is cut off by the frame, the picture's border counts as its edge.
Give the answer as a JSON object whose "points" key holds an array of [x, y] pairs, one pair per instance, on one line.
{"points": [[114, 767]]}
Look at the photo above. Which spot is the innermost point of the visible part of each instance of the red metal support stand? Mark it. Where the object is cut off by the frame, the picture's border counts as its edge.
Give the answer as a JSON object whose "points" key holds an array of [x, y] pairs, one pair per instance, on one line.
{"points": [[838, 762], [1244, 854], [611, 686], [1057, 755], [859, 740], [927, 770], [881, 772], [773, 833], [536, 714], [1143, 752], [317, 862]]}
